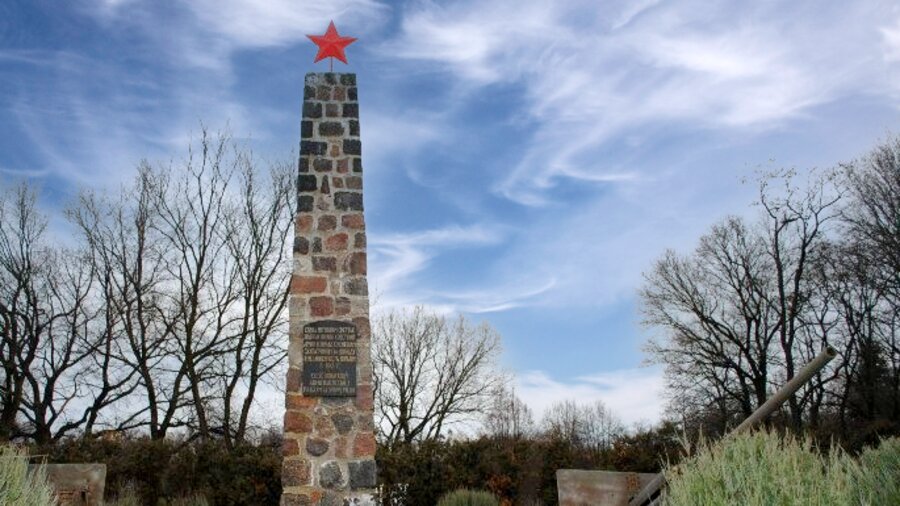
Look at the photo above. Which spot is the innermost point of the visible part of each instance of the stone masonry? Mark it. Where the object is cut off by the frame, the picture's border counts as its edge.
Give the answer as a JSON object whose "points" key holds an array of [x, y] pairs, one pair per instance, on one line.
{"points": [[329, 442]]}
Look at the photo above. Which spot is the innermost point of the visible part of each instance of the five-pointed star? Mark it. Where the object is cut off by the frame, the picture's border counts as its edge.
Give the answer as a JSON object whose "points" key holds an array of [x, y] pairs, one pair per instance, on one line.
{"points": [[331, 44]]}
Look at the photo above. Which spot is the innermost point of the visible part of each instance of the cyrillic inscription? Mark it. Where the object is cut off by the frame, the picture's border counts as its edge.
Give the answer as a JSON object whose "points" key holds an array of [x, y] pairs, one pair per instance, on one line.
{"points": [[329, 359]]}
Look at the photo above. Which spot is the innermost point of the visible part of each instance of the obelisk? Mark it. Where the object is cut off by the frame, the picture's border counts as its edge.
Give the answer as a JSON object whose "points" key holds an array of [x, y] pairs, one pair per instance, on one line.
{"points": [[329, 440]]}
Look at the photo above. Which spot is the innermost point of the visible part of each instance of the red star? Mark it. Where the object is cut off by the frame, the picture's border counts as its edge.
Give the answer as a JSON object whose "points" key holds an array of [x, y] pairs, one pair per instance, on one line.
{"points": [[331, 45]]}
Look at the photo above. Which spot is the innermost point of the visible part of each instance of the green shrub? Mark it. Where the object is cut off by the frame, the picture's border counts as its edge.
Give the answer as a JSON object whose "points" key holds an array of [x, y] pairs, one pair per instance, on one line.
{"points": [[876, 480], [761, 469], [153, 472], [18, 485], [466, 497]]}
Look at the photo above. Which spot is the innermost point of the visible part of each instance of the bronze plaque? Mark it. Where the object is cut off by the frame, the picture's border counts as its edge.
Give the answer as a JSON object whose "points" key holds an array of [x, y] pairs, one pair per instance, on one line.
{"points": [[329, 359]]}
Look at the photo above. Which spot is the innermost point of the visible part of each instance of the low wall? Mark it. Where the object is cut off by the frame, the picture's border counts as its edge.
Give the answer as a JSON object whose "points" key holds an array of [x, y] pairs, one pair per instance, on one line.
{"points": [[598, 488]]}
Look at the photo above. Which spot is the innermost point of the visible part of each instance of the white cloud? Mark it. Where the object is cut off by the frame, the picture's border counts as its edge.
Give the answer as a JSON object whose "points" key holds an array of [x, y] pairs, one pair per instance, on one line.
{"points": [[592, 72], [251, 23], [395, 258], [634, 395], [891, 38]]}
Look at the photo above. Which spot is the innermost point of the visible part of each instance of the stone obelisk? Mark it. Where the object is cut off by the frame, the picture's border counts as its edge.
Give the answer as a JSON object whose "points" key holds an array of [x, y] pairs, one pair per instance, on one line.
{"points": [[329, 441]]}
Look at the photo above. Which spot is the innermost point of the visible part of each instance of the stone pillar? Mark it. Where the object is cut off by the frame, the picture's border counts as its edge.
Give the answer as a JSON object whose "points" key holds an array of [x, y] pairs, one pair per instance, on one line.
{"points": [[329, 441]]}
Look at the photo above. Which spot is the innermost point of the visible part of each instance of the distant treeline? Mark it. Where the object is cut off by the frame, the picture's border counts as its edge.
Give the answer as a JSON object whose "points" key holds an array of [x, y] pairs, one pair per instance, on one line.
{"points": [[519, 469]]}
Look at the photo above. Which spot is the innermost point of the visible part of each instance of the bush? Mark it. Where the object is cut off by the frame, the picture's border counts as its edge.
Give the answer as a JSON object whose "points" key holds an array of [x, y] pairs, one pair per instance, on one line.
{"points": [[18, 485], [145, 471], [466, 497]]}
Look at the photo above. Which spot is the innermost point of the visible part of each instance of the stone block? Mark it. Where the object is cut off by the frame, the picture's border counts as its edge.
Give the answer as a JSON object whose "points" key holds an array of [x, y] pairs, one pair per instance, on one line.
{"points": [[354, 221], [327, 223], [362, 474], [351, 110], [356, 263], [322, 164], [331, 128], [305, 203], [304, 223], [321, 306], [342, 306], [342, 422], [312, 110], [352, 146], [290, 447], [294, 401], [330, 476], [348, 201], [308, 284], [295, 473], [364, 445], [336, 242], [356, 286], [307, 183], [316, 447], [301, 245], [313, 148], [295, 421], [353, 183], [321, 263]]}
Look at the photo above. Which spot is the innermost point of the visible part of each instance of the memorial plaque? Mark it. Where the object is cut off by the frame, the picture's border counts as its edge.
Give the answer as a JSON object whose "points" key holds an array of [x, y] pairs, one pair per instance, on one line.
{"points": [[329, 359]]}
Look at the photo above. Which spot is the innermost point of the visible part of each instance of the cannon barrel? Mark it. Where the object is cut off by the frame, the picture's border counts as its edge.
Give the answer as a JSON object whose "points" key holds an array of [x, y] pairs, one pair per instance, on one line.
{"points": [[651, 492]]}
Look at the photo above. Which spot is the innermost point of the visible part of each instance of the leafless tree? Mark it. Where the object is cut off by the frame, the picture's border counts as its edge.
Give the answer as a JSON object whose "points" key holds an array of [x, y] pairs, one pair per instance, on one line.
{"points": [[873, 236], [430, 372], [257, 233], [128, 253], [592, 426], [740, 314], [47, 339], [507, 415], [796, 217], [193, 262]]}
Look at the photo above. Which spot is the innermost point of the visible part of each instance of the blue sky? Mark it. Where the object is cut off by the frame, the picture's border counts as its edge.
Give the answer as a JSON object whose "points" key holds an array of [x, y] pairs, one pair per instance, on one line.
{"points": [[526, 160]]}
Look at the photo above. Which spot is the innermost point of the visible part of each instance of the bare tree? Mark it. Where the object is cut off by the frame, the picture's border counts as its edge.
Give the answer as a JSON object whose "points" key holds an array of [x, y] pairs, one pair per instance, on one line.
{"points": [[193, 264], [430, 372], [129, 257], [796, 218], [257, 234], [47, 338], [741, 313], [719, 323], [591, 426], [507, 415], [873, 236]]}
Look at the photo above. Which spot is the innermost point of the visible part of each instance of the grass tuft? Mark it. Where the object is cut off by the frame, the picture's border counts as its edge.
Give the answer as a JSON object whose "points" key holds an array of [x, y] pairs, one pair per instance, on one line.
{"points": [[465, 497], [761, 469], [20, 486]]}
